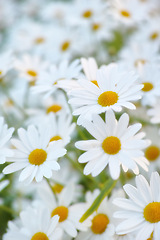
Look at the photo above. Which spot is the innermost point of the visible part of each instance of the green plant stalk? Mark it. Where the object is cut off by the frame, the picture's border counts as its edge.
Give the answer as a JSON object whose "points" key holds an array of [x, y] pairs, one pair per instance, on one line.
{"points": [[108, 186]]}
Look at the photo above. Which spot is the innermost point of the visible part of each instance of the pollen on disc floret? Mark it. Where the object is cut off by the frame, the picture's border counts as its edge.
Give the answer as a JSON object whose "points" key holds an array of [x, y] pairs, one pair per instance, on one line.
{"points": [[37, 156], [108, 98], [152, 212]]}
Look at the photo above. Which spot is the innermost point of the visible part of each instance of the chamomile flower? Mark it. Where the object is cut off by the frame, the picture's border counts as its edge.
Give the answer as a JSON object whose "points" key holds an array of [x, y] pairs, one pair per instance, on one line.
{"points": [[87, 10], [154, 112], [34, 155], [101, 222], [142, 210], [49, 80], [5, 136], [116, 89], [116, 144], [29, 67], [69, 214], [60, 128], [125, 11], [152, 152], [35, 223], [149, 77], [141, 54]]}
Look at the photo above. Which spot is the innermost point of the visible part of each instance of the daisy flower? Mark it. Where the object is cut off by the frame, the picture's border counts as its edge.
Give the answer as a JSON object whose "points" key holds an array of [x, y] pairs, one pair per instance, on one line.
{"points": [[57, 106], [116, 89], [149, 77], [63, 178], [84, 11], [49, 80], [141, 54], [34, 155], [5, 136], [61, 128], [89, 67], [142, 210], [154, 112], [29, 67], [125, 11], [116, 144], [35, 223], [69, 215], [101, 222]]}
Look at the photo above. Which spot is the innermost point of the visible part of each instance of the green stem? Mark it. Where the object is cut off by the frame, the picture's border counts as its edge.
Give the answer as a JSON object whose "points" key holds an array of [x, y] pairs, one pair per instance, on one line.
{"points": [[8, 210], [107, 188]]}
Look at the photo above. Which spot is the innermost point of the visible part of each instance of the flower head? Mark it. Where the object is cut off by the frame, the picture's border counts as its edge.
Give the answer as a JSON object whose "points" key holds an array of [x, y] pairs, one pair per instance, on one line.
{"points": [[116, 144]]}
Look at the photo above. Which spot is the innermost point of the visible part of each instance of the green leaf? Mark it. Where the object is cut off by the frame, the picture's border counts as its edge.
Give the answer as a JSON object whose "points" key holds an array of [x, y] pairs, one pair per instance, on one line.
{"points": [[109, 185]]}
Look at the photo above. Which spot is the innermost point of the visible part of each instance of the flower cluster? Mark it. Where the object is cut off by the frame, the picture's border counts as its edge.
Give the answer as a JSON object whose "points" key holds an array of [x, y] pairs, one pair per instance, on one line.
{"points": [[79, 120]]}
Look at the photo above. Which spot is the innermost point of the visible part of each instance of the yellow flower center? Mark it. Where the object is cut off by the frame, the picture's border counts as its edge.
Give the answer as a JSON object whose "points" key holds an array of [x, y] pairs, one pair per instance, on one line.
{"points": [[139, 61], [32, 73], [99, 223], [111, 145], [152, 153], [125, 13], [87, 14], [154, 36], [54, 108], [147, 87], [55, 138], [95, 26], [57, 188], [39, 40], [39, 236], [95, 82], [37, 156], [62, 212], [107, 99], [152, 212], [65, 46], [0, 72]]}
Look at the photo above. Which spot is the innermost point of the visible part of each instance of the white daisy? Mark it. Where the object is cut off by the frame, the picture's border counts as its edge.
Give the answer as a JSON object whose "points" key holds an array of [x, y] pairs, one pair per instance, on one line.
{"points": [[116, 144], [116, 89], [84, 11], [69, 214], [89, 67], [101, 222], [35, 223], [142, 210], [152, 152], [34, 155], [61, 128], [141, 54], [154, 112], [56, 105], [29, 67], [5, 136], [149, 77], [49, 80], [129, 12]]}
